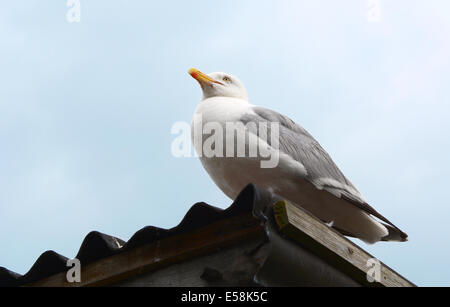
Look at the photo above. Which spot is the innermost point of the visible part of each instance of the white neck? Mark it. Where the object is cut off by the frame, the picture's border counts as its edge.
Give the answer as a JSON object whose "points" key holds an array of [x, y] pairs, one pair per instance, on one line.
{"points": [[223, 109]]}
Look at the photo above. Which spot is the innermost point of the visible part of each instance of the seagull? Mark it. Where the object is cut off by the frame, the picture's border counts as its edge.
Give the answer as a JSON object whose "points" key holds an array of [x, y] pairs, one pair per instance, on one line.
{"points": [[303, 174]]}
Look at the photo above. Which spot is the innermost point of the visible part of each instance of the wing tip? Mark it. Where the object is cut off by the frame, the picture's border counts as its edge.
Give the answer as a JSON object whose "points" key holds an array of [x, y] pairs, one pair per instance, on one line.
{"points": [[395, 235]]}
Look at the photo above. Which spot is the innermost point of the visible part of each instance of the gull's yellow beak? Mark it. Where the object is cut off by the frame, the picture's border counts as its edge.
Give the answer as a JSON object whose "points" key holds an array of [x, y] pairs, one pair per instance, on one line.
{"points": [[201, 77]]}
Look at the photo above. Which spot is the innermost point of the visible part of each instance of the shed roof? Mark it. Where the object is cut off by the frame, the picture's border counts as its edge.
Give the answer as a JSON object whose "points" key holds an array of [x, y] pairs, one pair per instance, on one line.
{"points": [[307, 253]]}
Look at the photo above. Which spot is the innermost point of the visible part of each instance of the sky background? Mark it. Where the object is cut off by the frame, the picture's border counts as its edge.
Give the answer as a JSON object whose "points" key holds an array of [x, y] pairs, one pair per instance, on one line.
{"points": [[86, 111]]}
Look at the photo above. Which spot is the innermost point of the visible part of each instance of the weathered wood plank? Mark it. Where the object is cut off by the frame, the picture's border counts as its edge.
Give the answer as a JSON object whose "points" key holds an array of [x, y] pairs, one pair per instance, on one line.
{"points": [[331, 246]]}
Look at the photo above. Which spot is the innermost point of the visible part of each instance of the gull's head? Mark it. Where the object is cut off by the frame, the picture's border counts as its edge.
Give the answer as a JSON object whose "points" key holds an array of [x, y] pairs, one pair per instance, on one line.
{"points": [[219, 84]]}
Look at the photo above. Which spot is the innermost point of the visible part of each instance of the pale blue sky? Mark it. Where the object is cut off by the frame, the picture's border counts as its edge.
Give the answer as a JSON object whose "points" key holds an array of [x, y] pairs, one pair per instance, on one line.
{"points": [[86, 111]]}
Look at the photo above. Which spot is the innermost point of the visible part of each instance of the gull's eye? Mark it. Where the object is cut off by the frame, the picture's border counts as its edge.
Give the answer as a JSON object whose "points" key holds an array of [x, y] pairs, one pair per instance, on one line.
{"points": [[226, 79]]}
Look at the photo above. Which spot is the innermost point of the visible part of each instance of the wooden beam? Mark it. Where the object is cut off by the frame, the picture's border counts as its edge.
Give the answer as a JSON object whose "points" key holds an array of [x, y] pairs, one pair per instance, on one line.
{"points": [[163, 253], [333, 247]]}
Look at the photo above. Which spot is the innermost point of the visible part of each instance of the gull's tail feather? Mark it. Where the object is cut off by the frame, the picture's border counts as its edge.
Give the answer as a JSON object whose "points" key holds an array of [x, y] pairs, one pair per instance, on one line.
{"points": [[394, 235]]}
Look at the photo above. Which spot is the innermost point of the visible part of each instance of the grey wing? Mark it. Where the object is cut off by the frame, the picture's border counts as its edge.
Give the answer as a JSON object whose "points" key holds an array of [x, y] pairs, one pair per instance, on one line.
{"points": [[301, 146], [296, 142]]}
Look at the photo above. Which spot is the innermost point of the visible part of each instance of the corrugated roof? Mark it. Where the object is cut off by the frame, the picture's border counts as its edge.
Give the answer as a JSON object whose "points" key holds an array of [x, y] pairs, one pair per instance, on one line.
{"points": [[96, 245], [301, 249]]}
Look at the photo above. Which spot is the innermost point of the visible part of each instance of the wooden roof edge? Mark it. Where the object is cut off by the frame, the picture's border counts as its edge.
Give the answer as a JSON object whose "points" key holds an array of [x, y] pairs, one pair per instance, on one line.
{"points": [[334, 248]]}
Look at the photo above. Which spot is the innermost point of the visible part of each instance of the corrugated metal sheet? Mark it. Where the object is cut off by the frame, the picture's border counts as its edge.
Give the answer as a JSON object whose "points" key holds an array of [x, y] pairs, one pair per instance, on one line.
{"points": [[97, 245]]}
